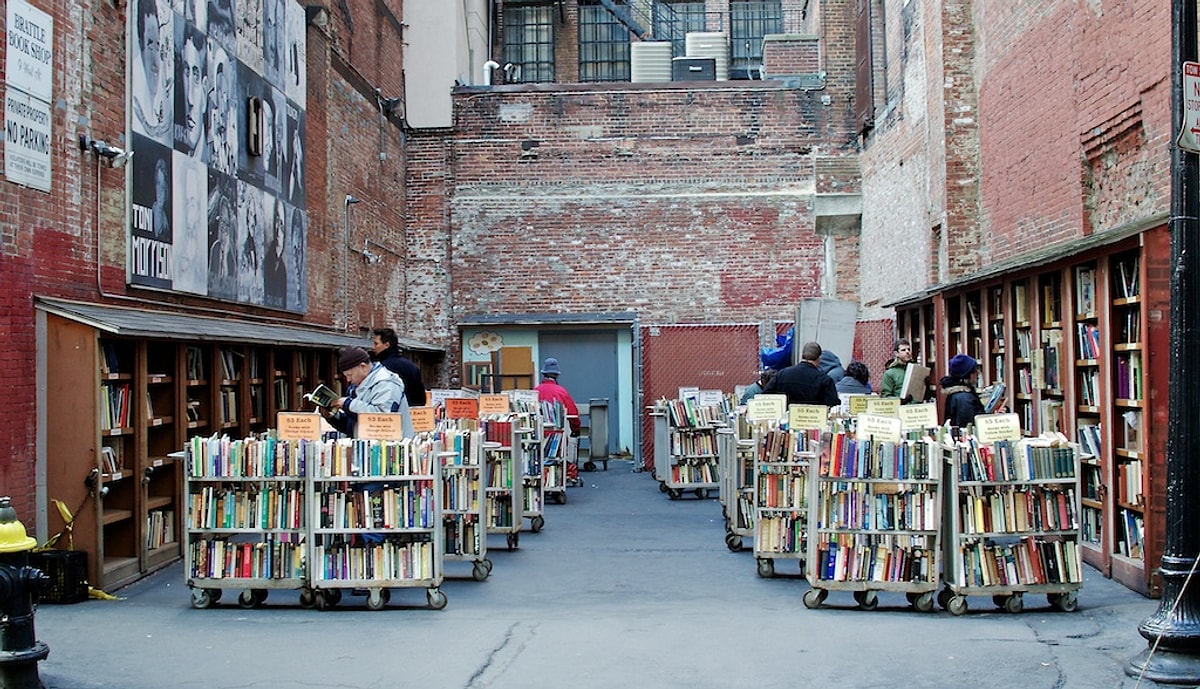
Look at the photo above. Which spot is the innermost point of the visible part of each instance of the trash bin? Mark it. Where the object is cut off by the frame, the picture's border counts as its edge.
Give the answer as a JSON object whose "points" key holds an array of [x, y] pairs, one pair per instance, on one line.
{"points": [[597, 433]]}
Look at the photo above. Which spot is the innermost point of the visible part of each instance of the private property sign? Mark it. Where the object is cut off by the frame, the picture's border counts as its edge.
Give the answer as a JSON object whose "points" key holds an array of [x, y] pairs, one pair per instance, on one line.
{"points": [[1189, 136]]}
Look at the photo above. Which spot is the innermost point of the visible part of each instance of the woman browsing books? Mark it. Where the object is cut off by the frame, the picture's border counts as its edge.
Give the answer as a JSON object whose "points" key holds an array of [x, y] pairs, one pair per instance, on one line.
{"points": [[962, 400]]}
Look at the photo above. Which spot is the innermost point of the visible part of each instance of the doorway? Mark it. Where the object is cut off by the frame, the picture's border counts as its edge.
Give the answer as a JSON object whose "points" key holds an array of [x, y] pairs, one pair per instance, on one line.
{"points": [[588, 361]]}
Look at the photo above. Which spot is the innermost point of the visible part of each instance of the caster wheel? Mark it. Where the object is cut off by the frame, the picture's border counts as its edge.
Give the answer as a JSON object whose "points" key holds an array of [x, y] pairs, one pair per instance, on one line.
{"points": [[674, 493], [912, 597], [437, 599], [480, 572], [766, 567], [307, 598], [702, 493], [561, 499], [924, 602], [377, 598], [943, 598], [814, 597], [248, 599], [867, 600], [589, 466], [662, 487], [216, 595], [488, 564], [319, 600], [333, 597], [999, 600], [957, 605], [202, 598], [1014, 603], [514, 541], [1068, 602], [733, 542], [537, 523]]}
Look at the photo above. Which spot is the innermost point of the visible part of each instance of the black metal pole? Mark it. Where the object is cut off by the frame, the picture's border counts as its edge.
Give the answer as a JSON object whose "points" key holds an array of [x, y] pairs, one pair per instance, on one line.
{"points": [[1173, 631]]}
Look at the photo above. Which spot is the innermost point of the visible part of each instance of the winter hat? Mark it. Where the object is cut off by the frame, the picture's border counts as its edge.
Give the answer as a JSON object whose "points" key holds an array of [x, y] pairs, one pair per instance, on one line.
{"points": [[349, 357], [550, 366], [961, 365]]}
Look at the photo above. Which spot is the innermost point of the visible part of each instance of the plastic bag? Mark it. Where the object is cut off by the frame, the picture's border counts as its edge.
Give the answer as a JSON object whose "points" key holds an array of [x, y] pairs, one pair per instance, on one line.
{"points": [[780, 356]]}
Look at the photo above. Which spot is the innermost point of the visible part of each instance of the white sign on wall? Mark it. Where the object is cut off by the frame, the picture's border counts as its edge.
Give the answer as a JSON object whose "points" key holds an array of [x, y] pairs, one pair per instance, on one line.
{"points": [[30, 49], [1189, 135], [26, 140]]}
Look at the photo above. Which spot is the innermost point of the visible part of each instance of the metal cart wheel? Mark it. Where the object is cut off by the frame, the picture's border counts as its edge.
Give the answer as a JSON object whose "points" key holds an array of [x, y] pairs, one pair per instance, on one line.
{"points": [[814, 597], [377, 598], [561, 498], [252, 598], [662, 487], [589, 466], [514, 541], [480, 572], [867, 600], [202, 598], [216, 595], [307, 599], [333, 596], [437, 599], [943, 598], [1014, 603], [766, 567], [911, 597], [924, 602], [319, 601], [537, 523], [733, 542], [487, 563], [702, 493], [957, 605], [999, 600], [1067, 602], [674, 493]]}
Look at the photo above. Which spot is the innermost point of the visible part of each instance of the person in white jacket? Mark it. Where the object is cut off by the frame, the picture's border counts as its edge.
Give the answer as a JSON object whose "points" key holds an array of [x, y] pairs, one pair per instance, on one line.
{"points": [[373, 389]]}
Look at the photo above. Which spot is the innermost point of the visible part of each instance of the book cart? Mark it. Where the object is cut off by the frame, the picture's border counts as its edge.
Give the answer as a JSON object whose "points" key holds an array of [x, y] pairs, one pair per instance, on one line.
{"points": [[376, 520], [689, 463], [558, 450], [735, 467], [782, 463], [246, 518], [503, 505], [1013, 520], [527, 447], [460, 453], [874, 520]]}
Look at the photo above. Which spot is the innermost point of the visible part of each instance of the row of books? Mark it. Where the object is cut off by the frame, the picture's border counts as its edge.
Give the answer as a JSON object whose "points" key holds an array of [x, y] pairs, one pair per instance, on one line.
{"points": [[779, 533], [701, 472], [1030, 459], [461, 535], [1128, 375], [388, 560], [554, 476], [160, 528], [223, 457], [228, 507], [1017, 511], [876, 558], [782, 490], [851, 457], [531, 499], [410, 505], [110, 361], [116, 409], [858, 506], [274, 558], [1029, 562], [499, 513], [499, 471], [689, 413], [1089, 341], [1131, 533], [693, 444], [1130, 484], [460, 491]]}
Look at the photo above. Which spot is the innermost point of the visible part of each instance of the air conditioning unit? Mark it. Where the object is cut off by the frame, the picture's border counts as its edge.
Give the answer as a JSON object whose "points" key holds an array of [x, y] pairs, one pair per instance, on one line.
{"points": [[649, 61], [713, 44], [693, 69]]}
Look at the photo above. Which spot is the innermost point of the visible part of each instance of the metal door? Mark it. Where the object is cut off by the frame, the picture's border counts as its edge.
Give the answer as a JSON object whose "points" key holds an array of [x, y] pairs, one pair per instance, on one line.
{"points": [[588, 361]]}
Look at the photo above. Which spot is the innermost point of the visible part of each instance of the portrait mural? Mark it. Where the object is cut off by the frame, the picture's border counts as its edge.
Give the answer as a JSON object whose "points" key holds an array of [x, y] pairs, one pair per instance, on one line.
{"points": [[211, 214]]}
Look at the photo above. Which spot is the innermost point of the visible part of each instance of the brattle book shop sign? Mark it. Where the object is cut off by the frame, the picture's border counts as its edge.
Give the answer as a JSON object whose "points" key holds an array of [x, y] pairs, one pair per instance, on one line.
{"points": [[27, 97]]}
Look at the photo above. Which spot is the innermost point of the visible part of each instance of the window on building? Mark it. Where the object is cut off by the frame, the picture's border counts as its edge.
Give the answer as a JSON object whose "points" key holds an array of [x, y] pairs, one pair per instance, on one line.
{"points": [[529, 42], [603, 45], [673, 21], [749, 21]]}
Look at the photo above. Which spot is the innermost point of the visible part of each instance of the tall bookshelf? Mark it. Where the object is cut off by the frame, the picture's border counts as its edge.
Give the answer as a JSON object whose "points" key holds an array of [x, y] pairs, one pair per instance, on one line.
{"points": [[1023, 353], [1088, 399], [1126, 316]]}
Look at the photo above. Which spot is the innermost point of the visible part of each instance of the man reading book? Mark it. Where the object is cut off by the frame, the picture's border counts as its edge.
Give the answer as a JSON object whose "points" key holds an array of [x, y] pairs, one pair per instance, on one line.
{"points": [[373, 389]]}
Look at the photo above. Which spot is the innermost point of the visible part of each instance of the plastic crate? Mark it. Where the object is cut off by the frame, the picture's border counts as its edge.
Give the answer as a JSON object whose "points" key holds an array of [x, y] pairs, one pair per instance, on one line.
{"points": [[67, 570]]}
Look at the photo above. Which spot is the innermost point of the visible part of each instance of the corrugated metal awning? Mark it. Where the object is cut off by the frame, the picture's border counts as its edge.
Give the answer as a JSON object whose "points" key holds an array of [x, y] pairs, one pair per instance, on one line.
{"points": [[169, 325]]}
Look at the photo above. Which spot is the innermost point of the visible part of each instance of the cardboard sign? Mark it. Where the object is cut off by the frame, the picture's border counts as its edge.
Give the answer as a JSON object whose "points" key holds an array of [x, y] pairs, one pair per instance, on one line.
{"points": [[493, 404], [422, 419], [878, 427], [711, 398], [858, 403], [528, 399], [883, 406], [992, 427], [377, 426], [462, 408], [914, 417], [689, 393], [807, 416], [291, 425], [766, 407]]}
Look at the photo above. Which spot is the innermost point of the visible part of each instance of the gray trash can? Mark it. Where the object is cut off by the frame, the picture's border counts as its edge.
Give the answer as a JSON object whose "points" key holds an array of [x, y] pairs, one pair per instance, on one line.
{"points": [[597, 433]]}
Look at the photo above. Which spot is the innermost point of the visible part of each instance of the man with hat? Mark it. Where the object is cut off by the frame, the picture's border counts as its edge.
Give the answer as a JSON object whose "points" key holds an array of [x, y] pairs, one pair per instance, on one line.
{"points": [[550, 391], [962, 401], [373, 389]]}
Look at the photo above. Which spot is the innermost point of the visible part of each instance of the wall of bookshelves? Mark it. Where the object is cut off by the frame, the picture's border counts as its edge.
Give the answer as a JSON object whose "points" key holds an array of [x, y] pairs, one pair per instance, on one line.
{"points": [[1081, 343], [112, 458]]}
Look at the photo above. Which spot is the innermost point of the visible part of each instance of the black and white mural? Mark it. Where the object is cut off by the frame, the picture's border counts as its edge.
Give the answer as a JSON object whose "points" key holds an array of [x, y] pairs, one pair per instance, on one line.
{"points": [[211, 215]]}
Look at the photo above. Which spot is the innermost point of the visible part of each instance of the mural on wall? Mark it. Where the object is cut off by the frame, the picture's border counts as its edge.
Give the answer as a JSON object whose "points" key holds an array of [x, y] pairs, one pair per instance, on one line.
{"points": [[211, 213]]}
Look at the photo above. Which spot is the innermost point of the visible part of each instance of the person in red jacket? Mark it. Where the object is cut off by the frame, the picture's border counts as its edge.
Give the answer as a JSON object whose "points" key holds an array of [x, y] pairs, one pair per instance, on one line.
{"points": [[550, 391]]}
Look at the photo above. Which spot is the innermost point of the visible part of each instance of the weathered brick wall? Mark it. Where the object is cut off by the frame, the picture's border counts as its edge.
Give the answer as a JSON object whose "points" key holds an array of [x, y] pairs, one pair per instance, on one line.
{"points": [[797, 55], [1075, 119]]}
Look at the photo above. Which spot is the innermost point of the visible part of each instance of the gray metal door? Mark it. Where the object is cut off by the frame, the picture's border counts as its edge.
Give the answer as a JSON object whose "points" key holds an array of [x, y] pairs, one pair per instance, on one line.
{"points": [[588, 360]]}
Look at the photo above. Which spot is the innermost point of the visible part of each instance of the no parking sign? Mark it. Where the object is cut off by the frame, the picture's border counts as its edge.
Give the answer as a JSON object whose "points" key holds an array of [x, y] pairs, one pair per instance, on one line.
{"points": [[1189, 135]]}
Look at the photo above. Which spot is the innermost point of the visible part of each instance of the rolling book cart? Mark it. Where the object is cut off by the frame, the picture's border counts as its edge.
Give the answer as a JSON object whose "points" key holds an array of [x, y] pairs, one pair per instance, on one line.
{"points": [[557, 451], [875, 513], [690, 463], [502, 473], [782, 464], [247, 518], [1014, 523], [736, 469], [528, 448], [376, 521], [464, 538]]}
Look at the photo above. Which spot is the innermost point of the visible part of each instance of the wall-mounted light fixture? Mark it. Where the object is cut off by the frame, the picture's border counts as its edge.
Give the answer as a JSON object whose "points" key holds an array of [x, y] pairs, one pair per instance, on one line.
{"points": [[316, 16], [115, 155]]}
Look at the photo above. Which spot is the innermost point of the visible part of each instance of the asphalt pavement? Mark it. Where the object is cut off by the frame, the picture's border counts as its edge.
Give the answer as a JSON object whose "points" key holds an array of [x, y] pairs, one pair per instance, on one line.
{"points": [[622, 587]]}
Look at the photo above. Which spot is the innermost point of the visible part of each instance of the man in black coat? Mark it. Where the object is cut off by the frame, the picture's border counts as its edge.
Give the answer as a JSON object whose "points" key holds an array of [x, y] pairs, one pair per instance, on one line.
{"points": [[805, 383], [385, 349]]}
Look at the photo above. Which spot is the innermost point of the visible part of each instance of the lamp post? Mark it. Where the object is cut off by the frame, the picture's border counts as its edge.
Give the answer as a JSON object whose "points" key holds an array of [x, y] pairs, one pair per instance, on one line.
{"points": [[1173, 631], [346, 265]]}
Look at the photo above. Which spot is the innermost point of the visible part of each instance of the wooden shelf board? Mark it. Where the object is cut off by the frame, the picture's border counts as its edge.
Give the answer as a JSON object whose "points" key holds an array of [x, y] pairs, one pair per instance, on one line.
{"points": [[1085, 409], [112, 432], [1090, 502], [1140, 509], [113, 516], [1127, 301], [158, 379], [1128, 347], [1087, 363], [1128, 454], [155, 502], [116, 565], [160, 421]]}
